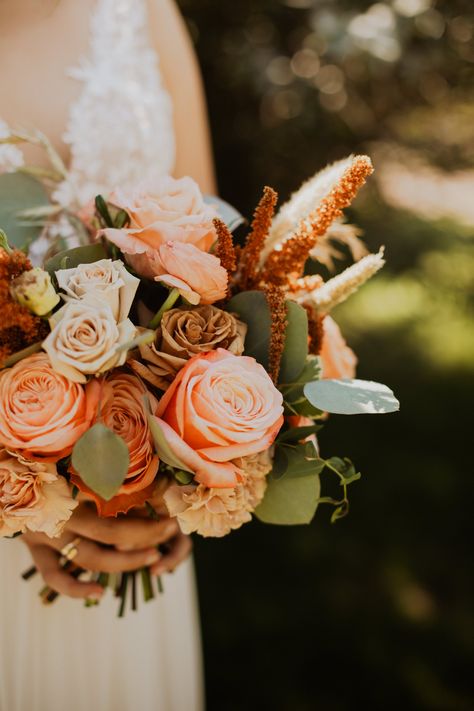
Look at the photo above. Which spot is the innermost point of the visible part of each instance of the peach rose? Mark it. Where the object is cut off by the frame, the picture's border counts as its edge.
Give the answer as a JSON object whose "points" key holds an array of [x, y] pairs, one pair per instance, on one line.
{"points": [[198, 276], [219, 407], [337, 359], [32, 496], [167, 210], [123, 411], [215, 512], [42, 413]]}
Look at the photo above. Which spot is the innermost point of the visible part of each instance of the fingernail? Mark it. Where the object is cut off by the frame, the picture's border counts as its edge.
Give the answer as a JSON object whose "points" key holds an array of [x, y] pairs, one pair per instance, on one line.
{"points": [[159, 570], [125, 547], [152, 558], [96, 596]]}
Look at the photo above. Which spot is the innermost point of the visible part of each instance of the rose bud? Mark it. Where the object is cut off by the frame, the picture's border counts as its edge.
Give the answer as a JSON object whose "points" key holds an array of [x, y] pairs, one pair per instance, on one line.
{"points": [[33, 290]]}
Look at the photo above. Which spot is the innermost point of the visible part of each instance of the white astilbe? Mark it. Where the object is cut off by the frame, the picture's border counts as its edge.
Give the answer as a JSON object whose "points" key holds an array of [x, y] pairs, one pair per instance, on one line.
{"points": [[304, 201], [340, 287]]}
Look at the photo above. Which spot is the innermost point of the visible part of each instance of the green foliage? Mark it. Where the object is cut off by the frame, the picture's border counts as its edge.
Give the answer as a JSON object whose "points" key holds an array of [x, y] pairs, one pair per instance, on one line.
{"points": [[18, 193], [101, 458], [292, 498], [252, 308], [296, 402], [70, 258], [351, 397]]}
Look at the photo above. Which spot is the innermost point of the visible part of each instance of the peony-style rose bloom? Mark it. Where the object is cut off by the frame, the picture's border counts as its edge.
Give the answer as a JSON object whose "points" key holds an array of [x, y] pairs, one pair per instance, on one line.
{"points": [[86, 340], [123, 411], [198, 276], [219, 407], [184, 333], [33, 290], [216, 512], [32, 496], [168, 210], [337, 359], [108, 280], [42, 413]]}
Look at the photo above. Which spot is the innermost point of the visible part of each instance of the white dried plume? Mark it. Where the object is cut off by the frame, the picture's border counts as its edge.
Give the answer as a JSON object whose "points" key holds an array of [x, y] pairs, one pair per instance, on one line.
{"points": [[326, 251], [303, 202], [340, 287]]}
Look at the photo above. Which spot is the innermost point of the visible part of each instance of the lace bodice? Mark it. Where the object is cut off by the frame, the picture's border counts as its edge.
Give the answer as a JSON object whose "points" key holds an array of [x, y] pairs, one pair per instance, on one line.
{"points": [[120, 129]]}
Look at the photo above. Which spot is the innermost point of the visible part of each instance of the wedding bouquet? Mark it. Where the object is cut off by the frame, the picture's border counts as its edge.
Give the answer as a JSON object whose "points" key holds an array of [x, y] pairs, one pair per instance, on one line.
{"points": [[165, 356]]}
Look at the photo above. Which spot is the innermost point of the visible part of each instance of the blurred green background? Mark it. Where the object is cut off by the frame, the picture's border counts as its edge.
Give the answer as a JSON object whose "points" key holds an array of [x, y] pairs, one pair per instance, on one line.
{"points": [[375, 611]]}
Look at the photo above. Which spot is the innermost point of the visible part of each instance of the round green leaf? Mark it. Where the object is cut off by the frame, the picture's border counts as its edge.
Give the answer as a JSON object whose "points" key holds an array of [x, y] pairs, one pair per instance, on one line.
{"points": [[351, 397], [20, 192], [290, 500], [101, 458]]}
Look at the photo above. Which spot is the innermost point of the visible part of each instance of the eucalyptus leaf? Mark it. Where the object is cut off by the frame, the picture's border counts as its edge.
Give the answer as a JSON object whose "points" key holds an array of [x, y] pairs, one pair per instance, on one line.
{"points": [[252, 308], [351, 397], [101, 458], [290, 500], [20, 192], [227, 213], [70, 258], [162, 447], [280, 463], [297, 434]]}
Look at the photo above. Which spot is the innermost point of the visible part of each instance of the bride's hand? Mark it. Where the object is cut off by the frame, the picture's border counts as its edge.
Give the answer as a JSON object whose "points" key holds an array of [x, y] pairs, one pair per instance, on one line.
{"points": [[131, 543]]}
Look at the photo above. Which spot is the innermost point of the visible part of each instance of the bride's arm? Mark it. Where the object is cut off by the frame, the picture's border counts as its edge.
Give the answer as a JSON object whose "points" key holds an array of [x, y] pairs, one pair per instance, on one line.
{"points": [[182, 79]]}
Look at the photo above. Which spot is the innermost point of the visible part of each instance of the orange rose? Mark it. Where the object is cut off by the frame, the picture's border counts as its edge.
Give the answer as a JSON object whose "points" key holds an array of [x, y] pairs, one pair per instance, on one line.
{"points": [[337, 359], [123, 411], [42, 413], [168, 210], [220, 407]]}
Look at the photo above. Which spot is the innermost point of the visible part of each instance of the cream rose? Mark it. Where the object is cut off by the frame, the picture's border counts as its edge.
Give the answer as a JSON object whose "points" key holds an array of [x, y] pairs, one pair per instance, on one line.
{"points": [[108, 280], [168, 209], [219, 407], [32, 496], [86, 340], [42, 413], [184, 333]]}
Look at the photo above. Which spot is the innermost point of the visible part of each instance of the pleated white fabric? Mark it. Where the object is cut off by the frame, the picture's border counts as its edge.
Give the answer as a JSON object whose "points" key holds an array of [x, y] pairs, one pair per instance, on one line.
{"points": [[66, 657]]}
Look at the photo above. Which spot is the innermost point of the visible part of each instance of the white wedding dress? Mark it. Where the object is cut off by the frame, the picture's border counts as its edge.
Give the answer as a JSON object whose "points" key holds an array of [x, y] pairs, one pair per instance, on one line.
{"points": [[65, 657]]}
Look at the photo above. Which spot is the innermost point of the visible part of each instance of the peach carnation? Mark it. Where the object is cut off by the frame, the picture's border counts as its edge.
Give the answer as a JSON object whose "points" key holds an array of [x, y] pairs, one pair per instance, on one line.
{"points": [[215, 512], [32, 496], [42, 413]]}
